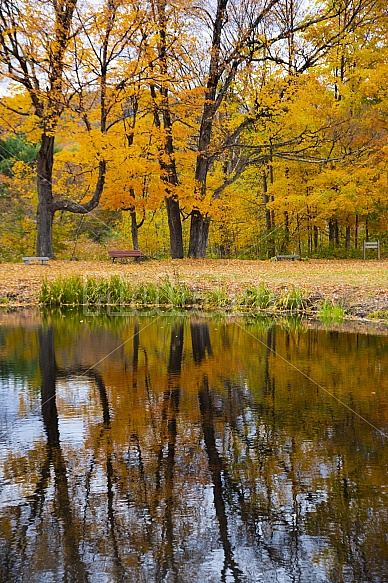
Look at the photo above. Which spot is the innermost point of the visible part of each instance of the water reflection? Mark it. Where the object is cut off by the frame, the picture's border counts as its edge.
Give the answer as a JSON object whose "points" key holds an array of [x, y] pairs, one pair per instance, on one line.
{"points": [[182, 449]]}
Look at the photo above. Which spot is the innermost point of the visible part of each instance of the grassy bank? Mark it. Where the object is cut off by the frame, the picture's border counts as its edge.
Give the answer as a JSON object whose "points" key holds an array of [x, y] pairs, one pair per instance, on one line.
{"points": [[359, 287]]}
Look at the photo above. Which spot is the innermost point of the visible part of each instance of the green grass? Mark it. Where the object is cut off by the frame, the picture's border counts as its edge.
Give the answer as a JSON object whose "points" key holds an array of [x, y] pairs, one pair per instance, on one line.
{"points": [[331, 313], [292, 300], [119, 291], [217, 298], [113, 291], [175, 293], [380, 315], [68, 291], [259, 298]]}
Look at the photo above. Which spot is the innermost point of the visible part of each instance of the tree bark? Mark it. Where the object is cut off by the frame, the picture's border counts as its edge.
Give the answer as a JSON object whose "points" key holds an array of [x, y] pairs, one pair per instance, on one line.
{"points": [[347, 237], [199, 235], [331, 232], [315, 238], [356, 232], [175, 228], [199, 227], [45, 212], [169, 174], [134, 230], [268, 221], [286, 240]]}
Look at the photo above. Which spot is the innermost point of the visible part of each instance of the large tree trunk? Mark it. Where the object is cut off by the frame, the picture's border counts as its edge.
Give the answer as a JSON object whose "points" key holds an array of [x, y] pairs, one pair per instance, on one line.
{"points": [[175, 228], [199, 235], [199, 224], [45, 213], [169, 174], [171, 178], [199, 228]]}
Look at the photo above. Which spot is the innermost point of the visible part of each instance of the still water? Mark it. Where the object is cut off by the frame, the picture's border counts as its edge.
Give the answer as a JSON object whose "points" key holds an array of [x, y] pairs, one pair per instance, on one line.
{"points": [[170, 448]]}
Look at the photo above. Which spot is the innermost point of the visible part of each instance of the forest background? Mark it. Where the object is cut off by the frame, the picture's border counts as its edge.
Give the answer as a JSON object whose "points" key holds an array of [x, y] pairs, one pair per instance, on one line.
{"points": [[233, 128]]}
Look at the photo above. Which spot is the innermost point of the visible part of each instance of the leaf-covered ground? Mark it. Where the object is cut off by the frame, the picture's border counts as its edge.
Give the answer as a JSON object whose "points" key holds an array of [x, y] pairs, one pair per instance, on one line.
{"points": [[361, 287]]}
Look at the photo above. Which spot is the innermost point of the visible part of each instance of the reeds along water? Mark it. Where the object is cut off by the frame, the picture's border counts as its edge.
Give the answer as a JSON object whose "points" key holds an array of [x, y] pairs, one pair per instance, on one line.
{"points": [[116, 290]]}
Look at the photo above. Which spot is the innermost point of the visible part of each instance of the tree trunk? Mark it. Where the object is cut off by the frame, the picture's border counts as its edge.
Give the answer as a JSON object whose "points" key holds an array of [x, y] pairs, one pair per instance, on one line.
{"points": [[134, 230], [315, 238], [286, 241], [356, 233], [268, 222], [169, 177], [199, 235], [199, 227], [298, 234], [199, 224], [169, 174], [331, 232], [175, 228], [271, 217], [45, 213], [347, 238]]}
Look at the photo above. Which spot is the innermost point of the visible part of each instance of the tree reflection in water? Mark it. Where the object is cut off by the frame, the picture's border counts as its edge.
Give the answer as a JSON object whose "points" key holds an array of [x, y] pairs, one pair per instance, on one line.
{"points": [[202, 456]]}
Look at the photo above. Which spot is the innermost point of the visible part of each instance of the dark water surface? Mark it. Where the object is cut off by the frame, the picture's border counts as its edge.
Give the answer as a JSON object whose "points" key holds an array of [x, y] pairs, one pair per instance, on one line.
{"points": [[162, 448]]}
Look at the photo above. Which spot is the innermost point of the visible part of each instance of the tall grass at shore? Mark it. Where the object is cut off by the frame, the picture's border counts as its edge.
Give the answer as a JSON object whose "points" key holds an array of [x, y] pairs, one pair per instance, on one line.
{"points": [[330, 313], [119, 291], [259, 298], [113, 291]]}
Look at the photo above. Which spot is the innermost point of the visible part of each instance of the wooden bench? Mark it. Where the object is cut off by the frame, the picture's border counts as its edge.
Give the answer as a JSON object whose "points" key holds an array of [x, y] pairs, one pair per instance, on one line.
{"points": [[122, 254], [28, 259], [372, 245], [290, 257]]}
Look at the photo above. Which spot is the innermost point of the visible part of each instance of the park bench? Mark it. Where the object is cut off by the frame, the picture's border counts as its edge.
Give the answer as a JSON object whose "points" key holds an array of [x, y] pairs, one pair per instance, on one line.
{"points": [[123, 253], [28, 259], [372, 245], [284, 257]]}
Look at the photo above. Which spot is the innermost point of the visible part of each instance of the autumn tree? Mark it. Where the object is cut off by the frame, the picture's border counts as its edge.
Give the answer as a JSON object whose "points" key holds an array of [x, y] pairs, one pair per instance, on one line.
{"points": [[269, 33], [163, 121], [324, 191], [50, 50], [34, 41]]}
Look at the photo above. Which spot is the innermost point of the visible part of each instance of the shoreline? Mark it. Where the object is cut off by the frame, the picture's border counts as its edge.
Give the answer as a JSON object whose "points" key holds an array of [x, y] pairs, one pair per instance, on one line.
{"points": [[360, 287]]}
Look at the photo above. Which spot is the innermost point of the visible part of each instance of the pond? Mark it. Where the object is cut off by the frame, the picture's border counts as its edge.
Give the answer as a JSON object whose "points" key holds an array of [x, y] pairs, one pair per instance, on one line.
{"points": [[159, 447]]}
